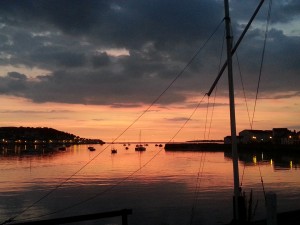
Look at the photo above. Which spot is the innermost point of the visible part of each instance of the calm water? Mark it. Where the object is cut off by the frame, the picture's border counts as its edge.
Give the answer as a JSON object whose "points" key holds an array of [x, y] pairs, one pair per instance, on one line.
{"points": [[174, 188]]}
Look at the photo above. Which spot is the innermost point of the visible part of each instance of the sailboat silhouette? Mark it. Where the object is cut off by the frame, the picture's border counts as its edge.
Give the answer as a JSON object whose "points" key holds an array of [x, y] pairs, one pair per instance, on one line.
{"points": [[140, 147]]}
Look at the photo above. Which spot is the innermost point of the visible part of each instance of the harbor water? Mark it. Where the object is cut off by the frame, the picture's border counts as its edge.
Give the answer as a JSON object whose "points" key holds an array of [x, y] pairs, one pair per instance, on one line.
{"points": [[161, 187]]}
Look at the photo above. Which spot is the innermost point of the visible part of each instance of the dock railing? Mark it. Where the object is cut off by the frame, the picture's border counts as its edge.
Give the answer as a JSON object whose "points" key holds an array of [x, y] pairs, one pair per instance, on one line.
{"points": [[72, 219]]}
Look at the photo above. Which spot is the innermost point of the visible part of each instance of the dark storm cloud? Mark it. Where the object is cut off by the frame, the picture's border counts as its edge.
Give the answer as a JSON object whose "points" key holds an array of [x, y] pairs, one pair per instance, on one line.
{"points": [[285, 11], [59, 58], [280, 71], [282, 11], [14, 83], [71, 40], [100, 60]]}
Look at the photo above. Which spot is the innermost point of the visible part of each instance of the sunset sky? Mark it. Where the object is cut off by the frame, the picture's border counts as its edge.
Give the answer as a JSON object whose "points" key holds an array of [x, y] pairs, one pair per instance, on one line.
{"points": [[92, 67]]}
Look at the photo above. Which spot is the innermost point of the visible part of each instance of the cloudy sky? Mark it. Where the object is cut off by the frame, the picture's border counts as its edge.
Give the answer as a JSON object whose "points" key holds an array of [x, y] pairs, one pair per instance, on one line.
{"points": [[91, 67]]}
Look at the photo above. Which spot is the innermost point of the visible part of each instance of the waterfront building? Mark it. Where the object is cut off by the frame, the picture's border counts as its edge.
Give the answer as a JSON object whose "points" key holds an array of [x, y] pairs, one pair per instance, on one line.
{"points": [[256, 136]]}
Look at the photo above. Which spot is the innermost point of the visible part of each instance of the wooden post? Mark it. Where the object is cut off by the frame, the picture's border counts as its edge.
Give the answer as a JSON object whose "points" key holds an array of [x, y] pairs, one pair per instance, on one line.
{"points": [[271, 205], [124, 219], [124, 216]]}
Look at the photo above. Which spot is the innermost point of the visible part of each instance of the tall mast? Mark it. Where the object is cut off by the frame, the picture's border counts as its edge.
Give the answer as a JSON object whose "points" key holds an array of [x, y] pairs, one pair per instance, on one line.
{"points": [[232, 112]]}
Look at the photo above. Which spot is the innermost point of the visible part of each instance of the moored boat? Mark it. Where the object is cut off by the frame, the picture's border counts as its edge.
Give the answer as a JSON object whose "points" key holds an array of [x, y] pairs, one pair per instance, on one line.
{"points": [[62, 148], [140, 148], [91, 148]]}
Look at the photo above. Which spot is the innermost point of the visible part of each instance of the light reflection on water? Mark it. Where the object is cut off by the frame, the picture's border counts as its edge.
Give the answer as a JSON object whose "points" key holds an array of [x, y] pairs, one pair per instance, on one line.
{"points": [[162, 192]]}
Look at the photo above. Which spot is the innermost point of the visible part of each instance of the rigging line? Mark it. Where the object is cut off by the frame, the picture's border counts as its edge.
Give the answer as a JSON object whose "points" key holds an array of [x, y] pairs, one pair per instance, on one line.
{"points": [[243, 87], [198, 184], [202, 161], [261, 180], [216, 88], [201, 175], [207, 107], [258, 85], [212, 112], [188, 119], [125, 130], [245, 98], [243, 175], [262, 57]]}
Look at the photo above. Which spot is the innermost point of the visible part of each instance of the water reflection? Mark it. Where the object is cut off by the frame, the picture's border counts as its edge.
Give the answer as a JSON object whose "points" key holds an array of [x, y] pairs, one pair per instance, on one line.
{"points": [[159, 186], [279, 161], [23, 150]]}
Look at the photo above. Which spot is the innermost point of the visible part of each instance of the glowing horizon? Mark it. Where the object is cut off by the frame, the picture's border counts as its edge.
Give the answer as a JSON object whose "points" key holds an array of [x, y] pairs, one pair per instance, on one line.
{"points": [[159, 124]]}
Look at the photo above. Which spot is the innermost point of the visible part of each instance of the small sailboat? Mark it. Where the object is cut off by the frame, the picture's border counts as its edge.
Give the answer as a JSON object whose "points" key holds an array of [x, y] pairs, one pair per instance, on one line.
{"points": [[91, 148], [140, 147], [113, 149]]}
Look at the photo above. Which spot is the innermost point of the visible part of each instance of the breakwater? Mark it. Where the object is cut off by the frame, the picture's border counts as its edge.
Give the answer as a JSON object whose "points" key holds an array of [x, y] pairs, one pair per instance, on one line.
{"points": [[187, 146], [220, 147]]}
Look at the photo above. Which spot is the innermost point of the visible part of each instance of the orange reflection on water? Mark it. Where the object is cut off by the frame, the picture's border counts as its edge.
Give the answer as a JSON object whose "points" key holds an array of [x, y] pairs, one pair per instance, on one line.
{"points": [[156, 177]]}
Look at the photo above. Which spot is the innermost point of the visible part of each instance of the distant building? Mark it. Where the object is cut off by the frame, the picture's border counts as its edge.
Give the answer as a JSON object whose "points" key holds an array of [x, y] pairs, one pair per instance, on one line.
{"points": [[276, 136], [285, 136], [256, 136], [282, 136]]}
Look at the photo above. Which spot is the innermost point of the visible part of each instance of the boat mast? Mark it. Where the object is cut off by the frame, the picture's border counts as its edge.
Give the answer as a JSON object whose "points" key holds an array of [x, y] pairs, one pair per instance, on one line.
{"points": [[232, 112]]}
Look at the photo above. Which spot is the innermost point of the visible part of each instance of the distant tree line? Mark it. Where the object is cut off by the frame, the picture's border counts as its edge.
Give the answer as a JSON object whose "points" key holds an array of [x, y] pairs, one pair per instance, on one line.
{"points": [[38, 134]]}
